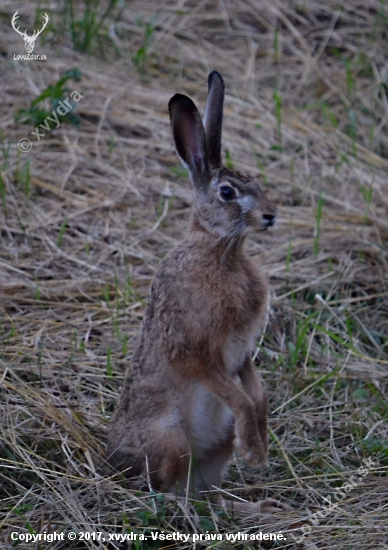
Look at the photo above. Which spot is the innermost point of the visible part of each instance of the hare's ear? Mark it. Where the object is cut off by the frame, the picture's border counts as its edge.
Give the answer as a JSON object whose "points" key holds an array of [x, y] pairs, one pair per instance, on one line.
{"points": [[190, 140], [213, 118]]}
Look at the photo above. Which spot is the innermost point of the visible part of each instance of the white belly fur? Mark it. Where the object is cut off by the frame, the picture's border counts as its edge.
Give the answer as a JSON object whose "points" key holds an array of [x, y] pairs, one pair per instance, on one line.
{"points": [[210, 419]]}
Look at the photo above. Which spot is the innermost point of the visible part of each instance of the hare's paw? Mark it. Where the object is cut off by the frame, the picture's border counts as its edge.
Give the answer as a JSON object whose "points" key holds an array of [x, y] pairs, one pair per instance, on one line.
{"points": [[270, 505], [254, 454], [263, 431]]}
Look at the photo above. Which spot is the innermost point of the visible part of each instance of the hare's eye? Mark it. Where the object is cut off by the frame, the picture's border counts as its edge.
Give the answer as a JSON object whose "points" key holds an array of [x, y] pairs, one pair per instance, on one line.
{"points": [[227, 193]]}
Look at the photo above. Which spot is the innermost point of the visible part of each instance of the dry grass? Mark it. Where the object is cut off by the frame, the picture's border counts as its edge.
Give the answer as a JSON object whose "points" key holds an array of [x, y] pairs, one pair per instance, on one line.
{"points": [[82, 235]]}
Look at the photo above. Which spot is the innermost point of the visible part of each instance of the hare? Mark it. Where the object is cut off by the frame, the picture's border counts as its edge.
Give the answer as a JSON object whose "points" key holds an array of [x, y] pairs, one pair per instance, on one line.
{"points": [[192, 394]]}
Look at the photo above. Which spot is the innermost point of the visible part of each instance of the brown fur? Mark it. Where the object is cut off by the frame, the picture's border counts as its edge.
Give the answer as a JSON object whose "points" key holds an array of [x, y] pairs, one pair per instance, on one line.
{"points": [[192, 394]]}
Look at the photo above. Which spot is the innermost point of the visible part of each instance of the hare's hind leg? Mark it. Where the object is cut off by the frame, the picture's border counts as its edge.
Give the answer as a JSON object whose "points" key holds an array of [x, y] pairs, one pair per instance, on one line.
{"points": [[207, 478], [261, 507], [207, 472], [156, 452], [168, 460]]}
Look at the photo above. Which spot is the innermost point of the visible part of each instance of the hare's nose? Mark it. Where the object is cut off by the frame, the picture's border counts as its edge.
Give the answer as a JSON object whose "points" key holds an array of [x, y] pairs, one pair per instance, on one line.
{"points": [[268, 220]]}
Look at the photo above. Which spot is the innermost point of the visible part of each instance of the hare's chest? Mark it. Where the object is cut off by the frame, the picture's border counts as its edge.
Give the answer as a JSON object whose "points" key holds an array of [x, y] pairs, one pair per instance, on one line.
{"points": [[248, 322], [239, 344]]}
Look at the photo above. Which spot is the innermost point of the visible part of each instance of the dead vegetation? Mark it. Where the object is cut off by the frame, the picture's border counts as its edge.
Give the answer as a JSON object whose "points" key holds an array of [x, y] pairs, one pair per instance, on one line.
{"points": [[88, 213]]}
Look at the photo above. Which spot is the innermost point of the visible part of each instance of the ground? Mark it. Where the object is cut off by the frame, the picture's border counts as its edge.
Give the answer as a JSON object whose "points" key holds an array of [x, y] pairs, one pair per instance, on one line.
{"points": [[88, 212]]}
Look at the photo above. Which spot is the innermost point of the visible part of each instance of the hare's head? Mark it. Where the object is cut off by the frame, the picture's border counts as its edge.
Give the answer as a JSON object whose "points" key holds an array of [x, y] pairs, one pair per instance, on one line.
{"points": [[227, 203]]}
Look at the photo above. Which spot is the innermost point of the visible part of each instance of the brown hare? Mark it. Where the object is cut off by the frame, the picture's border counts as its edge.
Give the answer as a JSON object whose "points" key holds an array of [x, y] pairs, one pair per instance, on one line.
{"points": [[192, 394]]}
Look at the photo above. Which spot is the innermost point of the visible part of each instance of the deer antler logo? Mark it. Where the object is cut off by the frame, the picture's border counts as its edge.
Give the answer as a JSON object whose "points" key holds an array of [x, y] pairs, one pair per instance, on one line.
{"points": [[29, 40]]}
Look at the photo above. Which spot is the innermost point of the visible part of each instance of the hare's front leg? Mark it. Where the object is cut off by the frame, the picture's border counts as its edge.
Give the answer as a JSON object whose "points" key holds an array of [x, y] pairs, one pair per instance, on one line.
{"points": [[253, 387], [248, 441]]}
